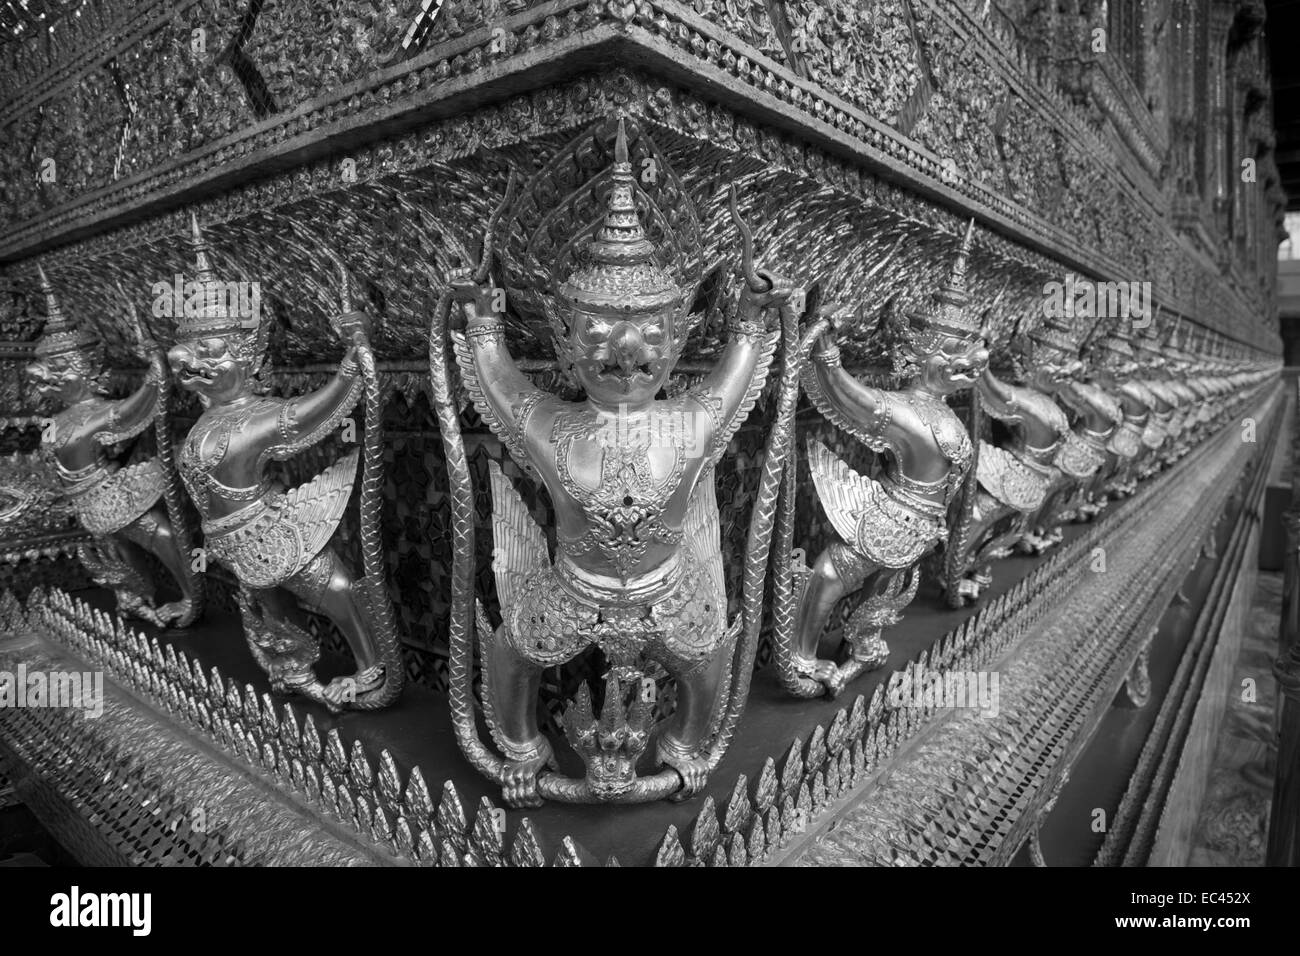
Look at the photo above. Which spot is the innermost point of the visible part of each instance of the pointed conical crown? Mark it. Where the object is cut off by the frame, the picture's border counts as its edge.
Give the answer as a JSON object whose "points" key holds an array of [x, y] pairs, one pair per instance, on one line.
{"points": [[950, 313], [208, 309], [1055, 333], [60, 335], [620, 273], [1117, 345]]}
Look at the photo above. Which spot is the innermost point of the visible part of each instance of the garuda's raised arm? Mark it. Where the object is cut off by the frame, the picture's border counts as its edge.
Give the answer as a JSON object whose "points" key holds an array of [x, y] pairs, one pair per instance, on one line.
{"points": [[130, 416], [307, 419], [502, 394]]}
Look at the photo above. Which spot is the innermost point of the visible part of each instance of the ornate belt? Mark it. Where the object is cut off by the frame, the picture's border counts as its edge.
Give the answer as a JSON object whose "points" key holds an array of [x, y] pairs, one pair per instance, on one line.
{"points": [[675, 618]]}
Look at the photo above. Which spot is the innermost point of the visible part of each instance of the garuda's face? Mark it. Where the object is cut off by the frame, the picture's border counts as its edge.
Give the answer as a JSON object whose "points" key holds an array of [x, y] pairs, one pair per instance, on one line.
{"points": [[950, 363], [59, 377], [622, 359], [214, 367], [1051, 368], [1120, 367]]}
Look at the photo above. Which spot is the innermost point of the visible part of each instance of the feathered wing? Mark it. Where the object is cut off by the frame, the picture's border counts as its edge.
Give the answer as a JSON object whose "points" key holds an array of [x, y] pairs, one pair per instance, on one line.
{"points": [[1009, 481], [315, 508], [843, 492], [703, 529], [519, 546], [757, 381]]}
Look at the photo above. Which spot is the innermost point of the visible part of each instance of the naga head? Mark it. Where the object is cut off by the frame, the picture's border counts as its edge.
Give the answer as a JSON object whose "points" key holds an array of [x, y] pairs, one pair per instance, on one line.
{"points": [[619, 307], [69, 359], [219, 346], [610, 745], [946, 341]]}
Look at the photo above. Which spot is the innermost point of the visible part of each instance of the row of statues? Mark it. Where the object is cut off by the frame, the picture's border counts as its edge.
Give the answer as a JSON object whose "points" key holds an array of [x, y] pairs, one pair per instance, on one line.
{"points": [[636, 568]]}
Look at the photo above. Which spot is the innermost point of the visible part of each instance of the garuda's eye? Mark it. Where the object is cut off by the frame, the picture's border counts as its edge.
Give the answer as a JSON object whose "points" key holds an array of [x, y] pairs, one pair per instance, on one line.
{"points": [[652, 333], [594, 330]]}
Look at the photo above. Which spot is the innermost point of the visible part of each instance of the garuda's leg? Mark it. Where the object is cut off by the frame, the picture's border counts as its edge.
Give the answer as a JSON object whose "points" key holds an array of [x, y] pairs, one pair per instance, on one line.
{"points": [[511, 684], [326, 587], [838, 571], [280, 644], [114, 563], [153, 532], [995, 527], [888, 592], [682, 739]]}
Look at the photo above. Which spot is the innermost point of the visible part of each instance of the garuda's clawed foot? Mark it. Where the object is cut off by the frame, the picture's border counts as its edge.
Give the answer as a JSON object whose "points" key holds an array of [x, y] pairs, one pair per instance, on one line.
{"points": [[519, 778], [304, 685], [345, 691], [972, 586], [817, 676], [869, 653], [174, 611], [691, 766]]}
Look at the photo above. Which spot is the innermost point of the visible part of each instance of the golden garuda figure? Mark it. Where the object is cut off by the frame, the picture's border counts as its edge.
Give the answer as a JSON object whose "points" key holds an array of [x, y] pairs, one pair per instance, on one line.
{"points": [[125, 508], [885, 525], [637, 568], [1014, 478], [277, 541]]}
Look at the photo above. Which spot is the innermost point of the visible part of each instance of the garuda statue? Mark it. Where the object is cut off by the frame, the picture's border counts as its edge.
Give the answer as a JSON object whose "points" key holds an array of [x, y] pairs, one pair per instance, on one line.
{"points": [[637, 568], [127, 509], [1160, 432], [277, 541], [1113, 368], [1095, 414], [885, 525], [1013, 479]]}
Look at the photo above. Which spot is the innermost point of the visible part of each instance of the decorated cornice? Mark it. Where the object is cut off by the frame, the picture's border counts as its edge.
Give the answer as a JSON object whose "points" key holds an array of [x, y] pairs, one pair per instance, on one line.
{"points": [[570, 36]]}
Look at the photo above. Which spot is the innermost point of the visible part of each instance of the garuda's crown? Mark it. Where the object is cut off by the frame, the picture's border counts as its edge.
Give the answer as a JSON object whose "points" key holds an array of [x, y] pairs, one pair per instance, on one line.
{"points": [[62, 336], [210, 308], [620, 272], [1055, 333], [1117, 346], [950, 312]]}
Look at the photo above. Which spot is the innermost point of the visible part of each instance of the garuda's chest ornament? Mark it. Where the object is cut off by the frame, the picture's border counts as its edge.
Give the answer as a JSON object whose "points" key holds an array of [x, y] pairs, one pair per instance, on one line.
{"points": [[636, 571], [628, 503], [129, 510]]}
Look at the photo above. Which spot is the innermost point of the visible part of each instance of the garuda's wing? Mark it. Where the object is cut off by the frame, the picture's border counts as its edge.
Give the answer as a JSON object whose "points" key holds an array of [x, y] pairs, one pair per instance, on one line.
{"points": [[843, 492], [1008, 480], [757, 382], [510, 437], [703, 529], [315, 508], [519, 546]]}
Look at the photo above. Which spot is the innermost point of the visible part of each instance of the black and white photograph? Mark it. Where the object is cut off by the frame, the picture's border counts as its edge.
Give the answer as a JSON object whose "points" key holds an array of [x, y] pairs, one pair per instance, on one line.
{"points": [[769, 434]]}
